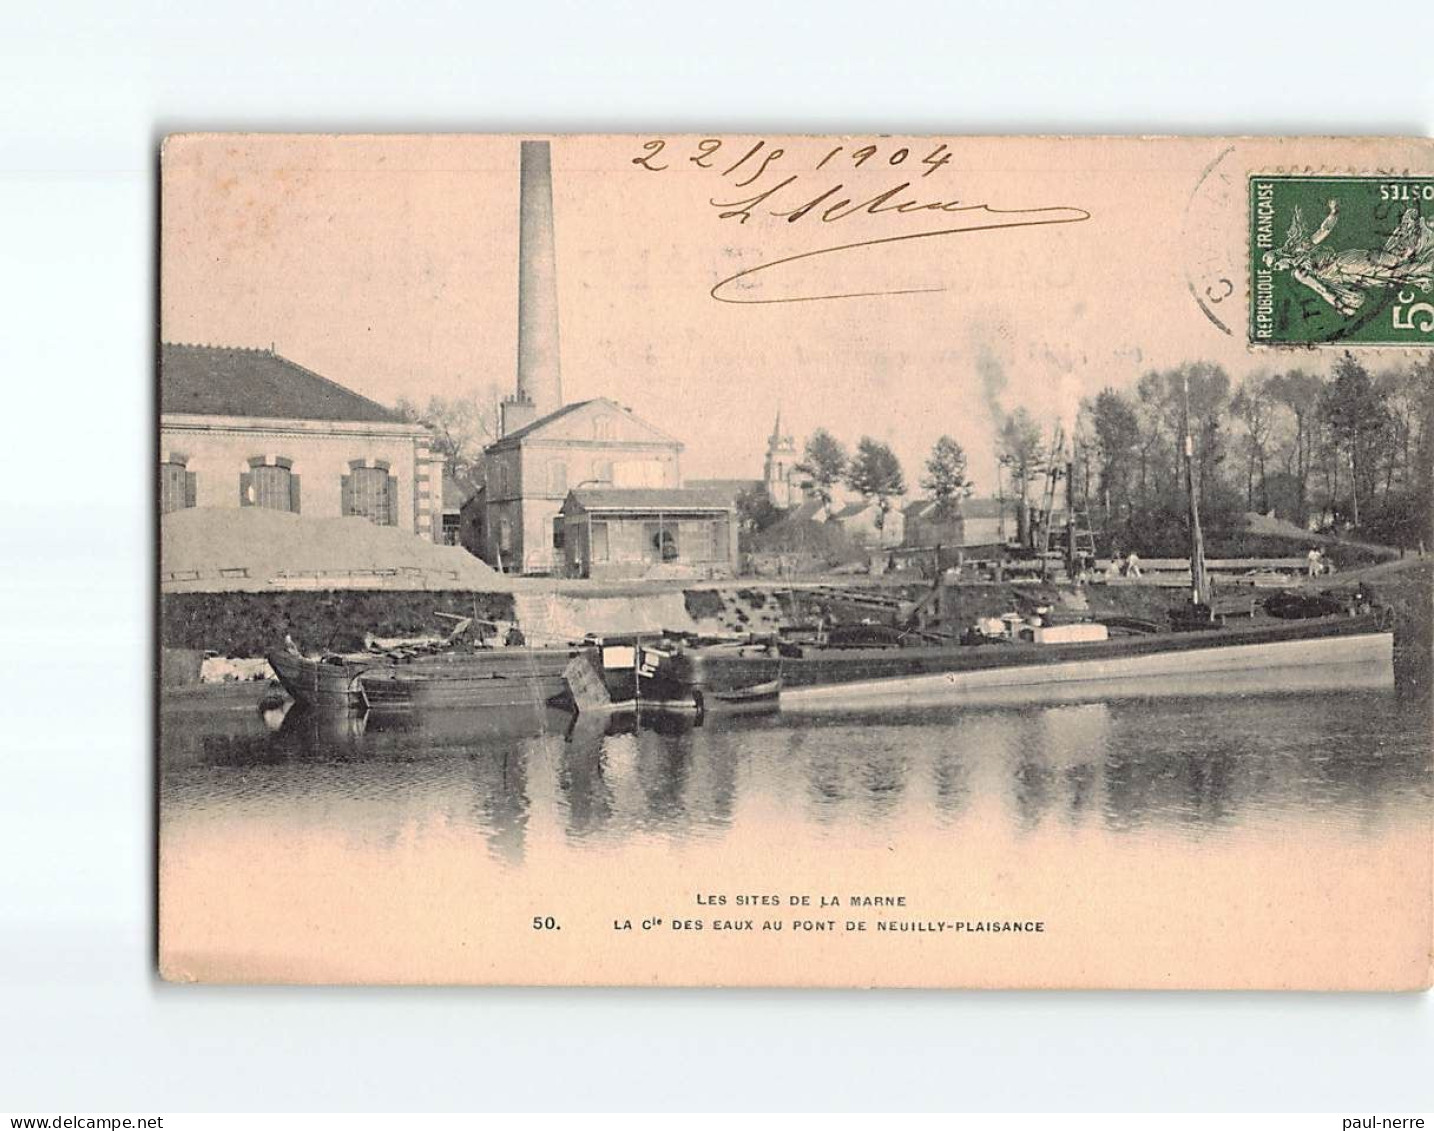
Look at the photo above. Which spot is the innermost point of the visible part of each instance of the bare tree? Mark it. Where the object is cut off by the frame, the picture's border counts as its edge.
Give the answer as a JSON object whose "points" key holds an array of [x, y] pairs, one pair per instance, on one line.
{"points": [[462, 427], [1254, 406], [1299, 393], [1019, 448]]}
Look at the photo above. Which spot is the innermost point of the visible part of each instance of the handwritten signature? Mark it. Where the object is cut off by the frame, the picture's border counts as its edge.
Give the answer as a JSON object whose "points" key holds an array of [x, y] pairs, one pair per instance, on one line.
{"points": [[836, 203]]}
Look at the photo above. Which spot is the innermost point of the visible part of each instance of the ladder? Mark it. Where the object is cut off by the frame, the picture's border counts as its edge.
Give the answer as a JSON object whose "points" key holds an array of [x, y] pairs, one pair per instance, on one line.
{"points": [[1055, 471], [1084, 535]]}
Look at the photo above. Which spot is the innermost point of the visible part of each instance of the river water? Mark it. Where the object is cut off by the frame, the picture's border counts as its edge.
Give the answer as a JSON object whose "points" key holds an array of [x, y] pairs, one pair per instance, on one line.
{"points": [[1276, 839]]}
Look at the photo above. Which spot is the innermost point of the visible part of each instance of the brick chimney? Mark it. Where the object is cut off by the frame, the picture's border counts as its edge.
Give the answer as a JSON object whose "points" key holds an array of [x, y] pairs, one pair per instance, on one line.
{"points": [[539, 376]]}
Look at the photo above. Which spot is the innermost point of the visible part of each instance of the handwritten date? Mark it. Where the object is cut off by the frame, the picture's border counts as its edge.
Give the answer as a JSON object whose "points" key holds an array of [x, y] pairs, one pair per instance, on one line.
{"points": [[787, 195], [707, 148]]}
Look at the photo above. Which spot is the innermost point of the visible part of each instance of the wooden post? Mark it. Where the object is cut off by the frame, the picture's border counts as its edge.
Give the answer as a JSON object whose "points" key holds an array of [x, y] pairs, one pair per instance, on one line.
{"points": [[1072, 562], [1199, 579]]}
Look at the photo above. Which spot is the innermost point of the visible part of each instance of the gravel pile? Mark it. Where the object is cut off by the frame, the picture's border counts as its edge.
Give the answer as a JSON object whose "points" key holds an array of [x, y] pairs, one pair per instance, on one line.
{"points": [[251, 548]]}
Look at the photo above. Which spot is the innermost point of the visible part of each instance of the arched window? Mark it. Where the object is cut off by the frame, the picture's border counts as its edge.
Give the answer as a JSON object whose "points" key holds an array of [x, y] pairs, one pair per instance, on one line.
{"points": [[602, 428], [369, 491], [178, 486], [271, 483]]}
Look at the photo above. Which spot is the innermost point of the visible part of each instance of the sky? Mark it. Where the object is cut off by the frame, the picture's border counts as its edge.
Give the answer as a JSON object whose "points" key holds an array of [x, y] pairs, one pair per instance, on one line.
{"points": [[389, 264]]}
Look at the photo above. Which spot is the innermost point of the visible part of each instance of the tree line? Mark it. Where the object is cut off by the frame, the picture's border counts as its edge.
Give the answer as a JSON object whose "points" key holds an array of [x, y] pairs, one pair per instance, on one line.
{"points": [[1347, 451], [1341, 448]]}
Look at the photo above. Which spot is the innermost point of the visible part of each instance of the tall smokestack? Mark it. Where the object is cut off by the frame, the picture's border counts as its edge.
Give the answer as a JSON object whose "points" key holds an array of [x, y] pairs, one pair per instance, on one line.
{"points": [[539, 377]]}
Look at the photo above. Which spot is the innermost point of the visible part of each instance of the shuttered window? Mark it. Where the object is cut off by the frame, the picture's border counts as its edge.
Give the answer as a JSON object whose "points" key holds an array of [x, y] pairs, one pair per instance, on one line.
{"points": [[177, 487], [721, 543], [371, 493], [272, 486]]}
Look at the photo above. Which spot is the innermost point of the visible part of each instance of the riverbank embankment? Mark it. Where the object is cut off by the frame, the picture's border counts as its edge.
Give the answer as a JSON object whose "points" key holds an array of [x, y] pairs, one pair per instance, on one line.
{"points": [[235, 629]]}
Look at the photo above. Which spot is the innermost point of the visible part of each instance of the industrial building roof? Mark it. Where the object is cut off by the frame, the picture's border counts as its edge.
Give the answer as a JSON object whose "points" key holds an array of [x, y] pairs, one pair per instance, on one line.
{"points": [[650, 499], [541, 422], [227, 381]]}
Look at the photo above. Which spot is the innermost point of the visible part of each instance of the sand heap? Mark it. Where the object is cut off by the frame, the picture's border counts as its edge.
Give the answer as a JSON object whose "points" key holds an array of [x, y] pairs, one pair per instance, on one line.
{"points": [[257, 550]]}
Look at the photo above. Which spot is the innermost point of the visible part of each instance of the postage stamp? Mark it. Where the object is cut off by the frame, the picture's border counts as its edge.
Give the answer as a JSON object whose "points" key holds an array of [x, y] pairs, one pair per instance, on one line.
{"points": [[1341, 260]]}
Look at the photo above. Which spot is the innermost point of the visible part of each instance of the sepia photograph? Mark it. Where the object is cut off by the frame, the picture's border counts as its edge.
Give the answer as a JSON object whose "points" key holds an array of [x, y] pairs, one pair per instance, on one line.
{"points": [[846, 561], [648, 557]]}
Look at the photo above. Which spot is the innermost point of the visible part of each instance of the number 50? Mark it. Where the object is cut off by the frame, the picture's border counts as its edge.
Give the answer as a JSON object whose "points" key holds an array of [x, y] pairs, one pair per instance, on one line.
{"points": [[1419, 317]]}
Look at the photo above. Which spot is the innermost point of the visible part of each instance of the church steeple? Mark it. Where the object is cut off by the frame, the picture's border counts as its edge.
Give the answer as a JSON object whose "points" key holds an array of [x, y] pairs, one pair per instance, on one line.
{"points": [[779, 469]]}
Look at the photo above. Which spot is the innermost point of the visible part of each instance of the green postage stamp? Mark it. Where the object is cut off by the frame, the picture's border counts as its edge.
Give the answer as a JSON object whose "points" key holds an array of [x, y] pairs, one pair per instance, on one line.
{"points": [[1341, 259]]}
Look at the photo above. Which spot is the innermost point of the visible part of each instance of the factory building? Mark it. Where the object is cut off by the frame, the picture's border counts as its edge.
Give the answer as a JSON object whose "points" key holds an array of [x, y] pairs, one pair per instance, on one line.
{"points": [[548, 449]]}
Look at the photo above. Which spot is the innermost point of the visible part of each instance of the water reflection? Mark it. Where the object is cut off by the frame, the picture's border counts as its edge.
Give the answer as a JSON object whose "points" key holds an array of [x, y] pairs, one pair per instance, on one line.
{"points": [[1192, 766]]}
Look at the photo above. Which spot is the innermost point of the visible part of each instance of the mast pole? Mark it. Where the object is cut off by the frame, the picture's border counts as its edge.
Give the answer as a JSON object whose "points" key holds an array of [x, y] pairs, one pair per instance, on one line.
{"points": [[1199, 580], [1072, 559]]}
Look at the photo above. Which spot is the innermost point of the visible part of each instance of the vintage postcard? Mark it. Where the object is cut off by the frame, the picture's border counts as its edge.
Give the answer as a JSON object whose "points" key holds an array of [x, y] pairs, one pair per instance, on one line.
{"points": [[796, 561]]}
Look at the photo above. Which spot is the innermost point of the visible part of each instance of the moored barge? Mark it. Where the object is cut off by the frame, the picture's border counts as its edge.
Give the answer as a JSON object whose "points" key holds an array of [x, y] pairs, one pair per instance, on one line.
{"points": [[496, 677]]}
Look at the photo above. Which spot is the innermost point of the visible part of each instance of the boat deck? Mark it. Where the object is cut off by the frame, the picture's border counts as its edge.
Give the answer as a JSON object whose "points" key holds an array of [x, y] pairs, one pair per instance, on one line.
{"points": [[822, 667]]}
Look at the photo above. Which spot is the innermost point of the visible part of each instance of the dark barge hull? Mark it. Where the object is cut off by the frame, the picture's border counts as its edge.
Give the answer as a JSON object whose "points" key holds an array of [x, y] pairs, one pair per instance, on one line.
{"points": [[659, 678], [317, 683], [499, 678]]}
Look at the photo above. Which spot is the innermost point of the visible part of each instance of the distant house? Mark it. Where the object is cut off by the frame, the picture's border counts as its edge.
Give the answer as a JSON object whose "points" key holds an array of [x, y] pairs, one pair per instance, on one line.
{"points": [[859, 520], [928, 524], [616, 533], [810, 510], [455, 496], [987, 522], [249, 428], [530, 471]]}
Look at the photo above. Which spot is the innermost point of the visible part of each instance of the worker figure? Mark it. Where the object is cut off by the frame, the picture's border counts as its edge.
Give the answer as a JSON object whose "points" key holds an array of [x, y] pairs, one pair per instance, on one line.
{"points": [[515, 637], [1132, 565], [1314, 558]]}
